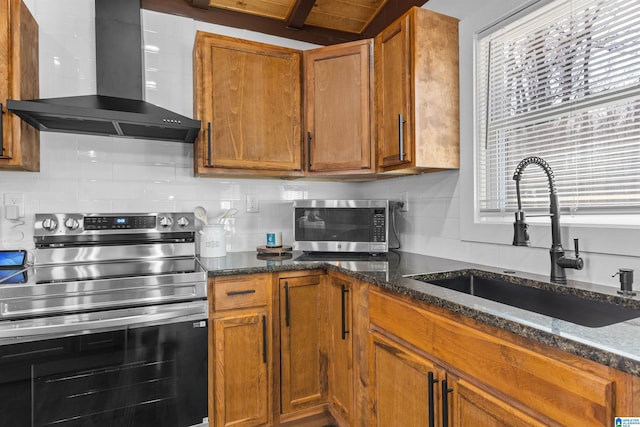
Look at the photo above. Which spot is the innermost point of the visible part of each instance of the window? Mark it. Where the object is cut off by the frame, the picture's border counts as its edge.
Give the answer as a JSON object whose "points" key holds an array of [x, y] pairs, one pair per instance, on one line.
{"points": [[561, 81]]}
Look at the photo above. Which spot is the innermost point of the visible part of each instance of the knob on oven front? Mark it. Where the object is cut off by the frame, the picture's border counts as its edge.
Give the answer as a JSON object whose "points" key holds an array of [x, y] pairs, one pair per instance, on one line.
{"points": [[49, 224], [183, 221], [71, 223], [165, 222]]}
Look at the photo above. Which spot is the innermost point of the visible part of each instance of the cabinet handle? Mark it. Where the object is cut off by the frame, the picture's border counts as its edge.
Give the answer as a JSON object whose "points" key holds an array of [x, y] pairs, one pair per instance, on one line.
{"points": [[209, 144], [432, 382], [445, 403], [345, 331], [234, 293], [1, 131], [309, 151], [264, 339], [401, 137], [286, 304]]}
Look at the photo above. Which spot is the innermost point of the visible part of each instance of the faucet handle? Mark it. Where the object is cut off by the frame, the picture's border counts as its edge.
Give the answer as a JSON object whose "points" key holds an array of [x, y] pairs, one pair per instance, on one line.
{"points": [[576, 262], [579, 262]]}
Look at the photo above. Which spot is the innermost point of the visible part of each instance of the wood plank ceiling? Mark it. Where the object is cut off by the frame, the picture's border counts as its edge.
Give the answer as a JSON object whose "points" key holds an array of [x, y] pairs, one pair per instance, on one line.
{"points": [[322, 22]]}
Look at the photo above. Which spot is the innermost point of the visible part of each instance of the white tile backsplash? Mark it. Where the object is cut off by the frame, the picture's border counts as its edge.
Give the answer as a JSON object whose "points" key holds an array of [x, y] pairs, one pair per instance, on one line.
{"points": [[105, 174]]}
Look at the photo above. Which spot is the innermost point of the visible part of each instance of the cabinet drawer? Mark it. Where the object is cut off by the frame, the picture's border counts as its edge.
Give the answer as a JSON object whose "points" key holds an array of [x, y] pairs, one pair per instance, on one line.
{"points": [[558, 386], [230, 293]]}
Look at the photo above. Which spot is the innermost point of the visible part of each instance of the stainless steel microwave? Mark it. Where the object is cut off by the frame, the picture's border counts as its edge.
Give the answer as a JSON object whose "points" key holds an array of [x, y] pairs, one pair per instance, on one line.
{"points": [[341, 225]]}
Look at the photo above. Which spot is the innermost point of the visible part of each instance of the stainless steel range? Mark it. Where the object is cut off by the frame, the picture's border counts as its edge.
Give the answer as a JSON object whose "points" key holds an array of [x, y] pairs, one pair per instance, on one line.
{"points": [[108, 326]]}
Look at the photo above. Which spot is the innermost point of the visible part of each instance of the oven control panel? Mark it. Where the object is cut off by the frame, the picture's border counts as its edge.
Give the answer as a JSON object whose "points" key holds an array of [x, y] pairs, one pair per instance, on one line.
{"points": [[119, 222], [74, 224]]}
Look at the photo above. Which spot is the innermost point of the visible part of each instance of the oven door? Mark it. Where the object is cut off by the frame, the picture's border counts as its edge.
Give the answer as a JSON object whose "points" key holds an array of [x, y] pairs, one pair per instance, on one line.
{"points": [[135, 369]]}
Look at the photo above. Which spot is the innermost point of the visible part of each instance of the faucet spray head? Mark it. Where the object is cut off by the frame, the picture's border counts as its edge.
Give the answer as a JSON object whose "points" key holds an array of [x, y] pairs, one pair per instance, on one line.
{"points": [[520, 230]]}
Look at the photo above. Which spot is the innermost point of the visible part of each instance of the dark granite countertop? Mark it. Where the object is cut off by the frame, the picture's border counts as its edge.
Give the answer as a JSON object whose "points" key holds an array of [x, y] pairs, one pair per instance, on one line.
{"points": [[616, 345]]}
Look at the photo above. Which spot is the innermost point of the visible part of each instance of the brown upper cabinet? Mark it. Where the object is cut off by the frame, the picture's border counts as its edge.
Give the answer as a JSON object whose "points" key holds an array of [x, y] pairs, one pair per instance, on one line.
{"points": [[19, 142], [338, 109], [416, 69], [248, 97], [362, 118]]}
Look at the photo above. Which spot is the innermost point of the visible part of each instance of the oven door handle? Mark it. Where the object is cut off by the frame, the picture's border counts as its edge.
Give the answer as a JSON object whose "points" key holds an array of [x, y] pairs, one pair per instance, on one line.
{"points": [[70, 325]]}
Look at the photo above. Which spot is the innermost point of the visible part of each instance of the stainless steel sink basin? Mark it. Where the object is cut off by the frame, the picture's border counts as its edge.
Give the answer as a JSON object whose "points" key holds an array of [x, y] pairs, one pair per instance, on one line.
{"points": [[571, 308]]}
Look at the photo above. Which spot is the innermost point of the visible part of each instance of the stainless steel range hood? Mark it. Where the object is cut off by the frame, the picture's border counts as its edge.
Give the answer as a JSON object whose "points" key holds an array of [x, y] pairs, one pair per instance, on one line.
{"points": [[118, 109]]}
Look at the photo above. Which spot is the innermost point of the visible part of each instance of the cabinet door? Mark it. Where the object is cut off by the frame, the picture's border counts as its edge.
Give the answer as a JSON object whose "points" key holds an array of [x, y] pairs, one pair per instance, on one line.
{"points": [[338, 107], [240, 370], [19, 142], [341, 347], [473, 406], [404, 386], [301, 366], [417, 85], [248, 98], [393, 86]]}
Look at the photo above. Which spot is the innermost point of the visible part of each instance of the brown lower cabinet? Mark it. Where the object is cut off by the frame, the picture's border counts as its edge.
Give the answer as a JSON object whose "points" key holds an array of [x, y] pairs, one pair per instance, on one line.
{"points": [[340, 330], [240, 362], [411, 390], [403, 385], [493, 377], [302, 362], [313, 348]]}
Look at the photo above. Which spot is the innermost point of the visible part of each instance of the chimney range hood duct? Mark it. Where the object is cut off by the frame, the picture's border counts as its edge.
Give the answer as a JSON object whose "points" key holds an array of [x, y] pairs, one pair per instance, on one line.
{"points": [[118, 109]]}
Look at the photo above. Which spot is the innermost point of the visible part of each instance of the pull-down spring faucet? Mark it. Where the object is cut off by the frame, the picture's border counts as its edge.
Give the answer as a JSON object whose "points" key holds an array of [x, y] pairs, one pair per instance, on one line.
{"points": [[520, 228]]}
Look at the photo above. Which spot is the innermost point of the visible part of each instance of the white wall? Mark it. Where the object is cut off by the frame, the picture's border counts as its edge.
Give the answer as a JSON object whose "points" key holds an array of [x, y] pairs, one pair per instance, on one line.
{"points": [[103, 174], [99, 174]]}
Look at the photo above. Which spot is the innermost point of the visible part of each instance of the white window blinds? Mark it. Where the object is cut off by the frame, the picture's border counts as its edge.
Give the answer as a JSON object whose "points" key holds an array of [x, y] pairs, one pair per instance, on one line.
{"points": [[563, 83]]}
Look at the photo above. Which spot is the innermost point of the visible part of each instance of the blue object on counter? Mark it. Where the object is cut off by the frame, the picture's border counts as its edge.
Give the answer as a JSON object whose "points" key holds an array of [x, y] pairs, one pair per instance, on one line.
{"points": [[12, 259]]}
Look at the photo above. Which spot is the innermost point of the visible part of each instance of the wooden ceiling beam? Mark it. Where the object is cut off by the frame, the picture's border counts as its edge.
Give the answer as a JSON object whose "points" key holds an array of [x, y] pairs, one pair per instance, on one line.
{"points": [[229, 18], [299, 13], [202, 4]]}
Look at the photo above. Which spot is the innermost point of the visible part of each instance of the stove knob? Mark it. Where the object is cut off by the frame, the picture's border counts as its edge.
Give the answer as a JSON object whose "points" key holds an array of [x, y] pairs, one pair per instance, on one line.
{"points": [[165, 222], [49, 224], [71, 223], [183, 221]]}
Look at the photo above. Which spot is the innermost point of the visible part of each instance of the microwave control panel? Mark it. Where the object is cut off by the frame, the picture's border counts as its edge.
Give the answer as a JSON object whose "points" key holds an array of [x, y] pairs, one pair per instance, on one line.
{"points": [[379, 227]]}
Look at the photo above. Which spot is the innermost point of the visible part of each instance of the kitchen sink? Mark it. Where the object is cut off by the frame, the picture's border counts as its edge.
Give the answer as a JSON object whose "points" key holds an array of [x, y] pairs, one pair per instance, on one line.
{"points": [[571, 308]]}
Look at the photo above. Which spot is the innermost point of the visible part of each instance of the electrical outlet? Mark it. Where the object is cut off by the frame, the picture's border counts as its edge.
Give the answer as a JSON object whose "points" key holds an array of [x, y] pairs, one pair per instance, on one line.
{"points": [[252, 203], [404, 198], [15, 199]]}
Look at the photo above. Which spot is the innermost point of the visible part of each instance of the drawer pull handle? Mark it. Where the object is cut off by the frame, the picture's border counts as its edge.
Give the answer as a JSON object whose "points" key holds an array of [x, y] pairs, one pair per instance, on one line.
{"points": [[234, 293]]}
